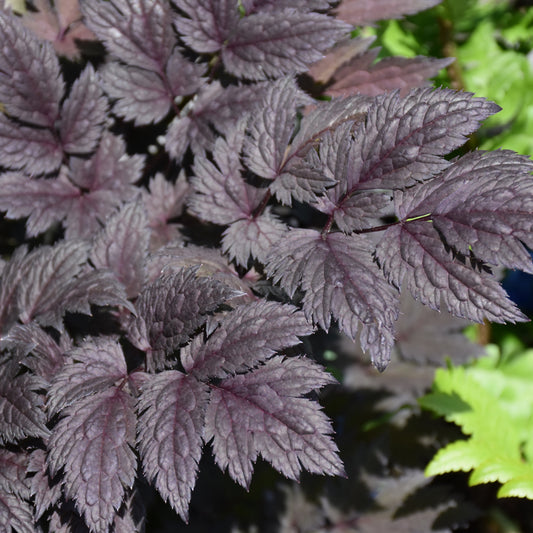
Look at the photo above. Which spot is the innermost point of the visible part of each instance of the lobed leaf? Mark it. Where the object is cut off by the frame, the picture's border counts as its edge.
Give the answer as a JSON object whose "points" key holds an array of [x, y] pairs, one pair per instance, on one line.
{"points": [[252, 237], [248, 335], [172, 307], [44, 201], [15, 513], [122, 247], [249, 414], [21, 413], [89, 369], [172, 408], [289, 41], [83, 115], [31, 85], [340, 281], [414, 255], [363, 13], [45, 493], [93, 444], [120, 23]]}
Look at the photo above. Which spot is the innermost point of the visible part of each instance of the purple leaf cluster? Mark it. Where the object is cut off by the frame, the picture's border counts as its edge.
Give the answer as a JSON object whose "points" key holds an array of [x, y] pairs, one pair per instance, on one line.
{"points": [[170, 183]]}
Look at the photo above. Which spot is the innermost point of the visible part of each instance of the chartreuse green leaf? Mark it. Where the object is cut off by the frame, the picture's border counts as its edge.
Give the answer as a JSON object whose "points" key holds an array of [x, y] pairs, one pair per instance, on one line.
{"points": [[492, 401]]}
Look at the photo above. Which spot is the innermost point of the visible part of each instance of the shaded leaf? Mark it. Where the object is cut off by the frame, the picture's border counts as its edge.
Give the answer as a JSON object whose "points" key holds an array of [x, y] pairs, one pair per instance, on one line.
{"points": [[45, 493], [249, 414]]}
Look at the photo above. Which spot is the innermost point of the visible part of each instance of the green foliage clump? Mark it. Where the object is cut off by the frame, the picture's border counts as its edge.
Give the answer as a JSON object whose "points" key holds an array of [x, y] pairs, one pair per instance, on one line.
{"points": [[492, 401]]}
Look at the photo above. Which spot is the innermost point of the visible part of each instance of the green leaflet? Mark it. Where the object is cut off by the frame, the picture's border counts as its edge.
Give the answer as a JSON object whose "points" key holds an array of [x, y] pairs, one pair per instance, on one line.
{"points": [[492, 401]]}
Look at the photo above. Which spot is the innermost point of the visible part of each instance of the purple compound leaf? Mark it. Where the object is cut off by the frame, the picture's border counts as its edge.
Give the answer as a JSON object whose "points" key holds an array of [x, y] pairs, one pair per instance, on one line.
{"points": [[45, 492], [340, 281], [83, 114], [220, 194], [256, 414], [44, 201], [171, 309], [21, 408], [246, 336], [93, 445], [170, 428], [46, 354], [272, 127], [36, 151], [413, 255], [31, 85], [13, 473], [209, 23], [89, 369], [16, 513], [122, 246], [361, 13], [289, 41], [252, 237], [482, 204], [120, 23]]}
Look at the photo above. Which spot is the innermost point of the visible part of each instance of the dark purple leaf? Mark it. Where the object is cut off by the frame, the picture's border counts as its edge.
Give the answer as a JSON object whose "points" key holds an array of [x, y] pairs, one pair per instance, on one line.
{"points": [[164, 201], [13, 473], [15, 513], [403, 138], [173, 307], [246, 336], [90, 368], [208, 24], [132, 515], [170, 428], [272, 127], [139, 32], [265, 5], [31, 85], [45, 493], [215, 106], [252, 237], [83, 114], [362, 13], [110, 168], [210, 262], [482, 203], [288, 42], [21, 412], [221, 195], [50, 269], [36, 151], [11, 275], [412, 254], [360, 76], [46, 355], [183, 76], [340, 281], [122, 247], [252, 414], [93, 444], [43, 201], [141, 95]]}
